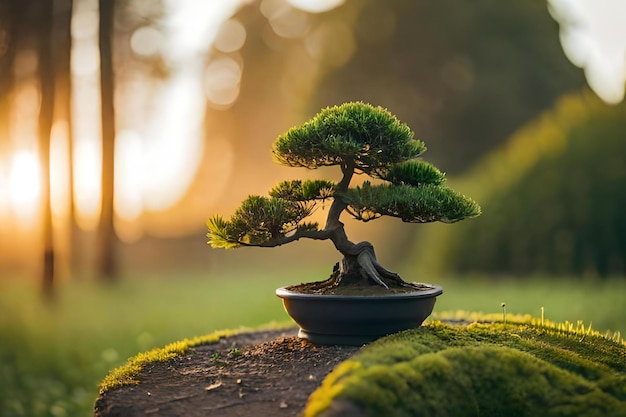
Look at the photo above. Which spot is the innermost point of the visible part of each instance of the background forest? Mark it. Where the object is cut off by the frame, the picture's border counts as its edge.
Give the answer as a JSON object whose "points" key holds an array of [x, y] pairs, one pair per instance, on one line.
{"points": [[125, 124]]}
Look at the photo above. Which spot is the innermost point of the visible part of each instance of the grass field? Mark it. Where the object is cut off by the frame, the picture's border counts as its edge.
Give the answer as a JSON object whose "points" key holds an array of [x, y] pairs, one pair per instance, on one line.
{"points": [[52, 356]]}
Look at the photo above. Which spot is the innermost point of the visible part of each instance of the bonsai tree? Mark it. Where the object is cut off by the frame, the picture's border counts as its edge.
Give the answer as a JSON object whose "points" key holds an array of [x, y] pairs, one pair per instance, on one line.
{"points": [[359, 139]]}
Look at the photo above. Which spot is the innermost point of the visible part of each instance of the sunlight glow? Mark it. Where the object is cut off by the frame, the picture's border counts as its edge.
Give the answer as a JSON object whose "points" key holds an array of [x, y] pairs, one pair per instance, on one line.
{"points": [[85, 22], [316, 6], [87, 163], [129, 175], [172, 140], [189, 34], [86, 123], [24, 165], [5, 186], [25, 185], [173, 153], [24, 114], [59, 171], [85, 58]]}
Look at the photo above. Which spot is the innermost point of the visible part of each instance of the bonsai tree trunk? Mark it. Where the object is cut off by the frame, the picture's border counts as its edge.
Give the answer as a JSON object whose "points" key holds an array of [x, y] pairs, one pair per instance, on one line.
{"points": [[359, 262]]}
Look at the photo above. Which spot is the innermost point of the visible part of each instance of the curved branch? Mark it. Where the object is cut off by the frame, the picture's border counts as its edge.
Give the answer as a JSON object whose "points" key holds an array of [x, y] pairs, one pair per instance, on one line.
{"points": [[299, 234]]}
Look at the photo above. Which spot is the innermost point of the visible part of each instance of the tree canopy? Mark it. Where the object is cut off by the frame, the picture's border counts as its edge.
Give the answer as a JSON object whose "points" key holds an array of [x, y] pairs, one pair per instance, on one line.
{"points": [[356, 134], [360, 138]]}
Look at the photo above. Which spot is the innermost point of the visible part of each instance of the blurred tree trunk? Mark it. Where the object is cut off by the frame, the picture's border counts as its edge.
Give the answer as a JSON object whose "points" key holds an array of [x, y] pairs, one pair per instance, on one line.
{"points": [[46, 111], [106, 233], [62, 36], [11, 19]]}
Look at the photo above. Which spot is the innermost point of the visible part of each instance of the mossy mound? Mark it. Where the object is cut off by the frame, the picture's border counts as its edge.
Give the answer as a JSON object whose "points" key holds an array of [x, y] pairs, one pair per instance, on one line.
{"points": [[497, 369]]}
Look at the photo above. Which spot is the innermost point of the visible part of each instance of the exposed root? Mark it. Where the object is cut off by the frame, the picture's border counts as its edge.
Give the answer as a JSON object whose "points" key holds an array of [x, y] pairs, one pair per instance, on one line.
{"points": [[394, 277], [371, 269], [359, 268], [366, 261]]}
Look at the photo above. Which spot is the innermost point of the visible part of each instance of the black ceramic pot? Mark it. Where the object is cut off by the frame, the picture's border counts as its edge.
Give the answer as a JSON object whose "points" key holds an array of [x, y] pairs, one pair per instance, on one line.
{"points": [[356, 320]]}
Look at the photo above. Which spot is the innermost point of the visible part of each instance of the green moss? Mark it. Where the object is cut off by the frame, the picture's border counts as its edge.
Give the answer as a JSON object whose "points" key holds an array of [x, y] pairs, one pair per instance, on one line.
{"points": [[520, 368], [127, 374]]}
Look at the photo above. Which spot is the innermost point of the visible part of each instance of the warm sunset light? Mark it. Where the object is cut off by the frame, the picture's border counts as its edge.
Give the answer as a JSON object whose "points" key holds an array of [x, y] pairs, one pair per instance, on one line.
{"points": [[139, 138], [87, 165], [155, 165], [189, 64], [25, 186]]}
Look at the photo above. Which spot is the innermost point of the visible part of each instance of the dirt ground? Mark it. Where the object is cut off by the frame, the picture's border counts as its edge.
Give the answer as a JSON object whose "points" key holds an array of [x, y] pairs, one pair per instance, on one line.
{"points": [[269, 373]]}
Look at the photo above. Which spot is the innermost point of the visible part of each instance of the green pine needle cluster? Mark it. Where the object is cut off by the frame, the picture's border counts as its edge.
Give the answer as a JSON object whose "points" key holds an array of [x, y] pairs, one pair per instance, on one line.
{"points": [[422, 204], [296, 190], [258, 221], [369, 136], [413, 173]]}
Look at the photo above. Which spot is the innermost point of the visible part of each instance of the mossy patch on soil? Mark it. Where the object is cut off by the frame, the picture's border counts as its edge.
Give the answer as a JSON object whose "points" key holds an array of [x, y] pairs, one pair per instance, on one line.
{"points": [[127, 373], [526, 368]]}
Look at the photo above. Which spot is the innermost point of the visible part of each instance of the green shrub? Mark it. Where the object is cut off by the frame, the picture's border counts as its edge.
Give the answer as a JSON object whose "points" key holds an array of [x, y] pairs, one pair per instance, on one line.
{"points": [[553, 199]]}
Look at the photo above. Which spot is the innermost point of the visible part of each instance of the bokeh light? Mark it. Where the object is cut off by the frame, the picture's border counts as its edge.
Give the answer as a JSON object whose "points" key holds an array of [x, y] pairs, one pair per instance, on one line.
{"points": [[285, 20], [333, 43], [231, 36], [221, 82], [146, 41]]}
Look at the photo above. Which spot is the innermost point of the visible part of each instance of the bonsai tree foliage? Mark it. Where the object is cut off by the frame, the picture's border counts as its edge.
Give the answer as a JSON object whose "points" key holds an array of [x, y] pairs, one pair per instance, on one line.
{"points": [[360, 139]]}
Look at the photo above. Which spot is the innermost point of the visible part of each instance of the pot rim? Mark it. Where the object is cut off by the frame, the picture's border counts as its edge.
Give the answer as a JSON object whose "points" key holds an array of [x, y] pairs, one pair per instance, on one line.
{"points": [[283, 292]]}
